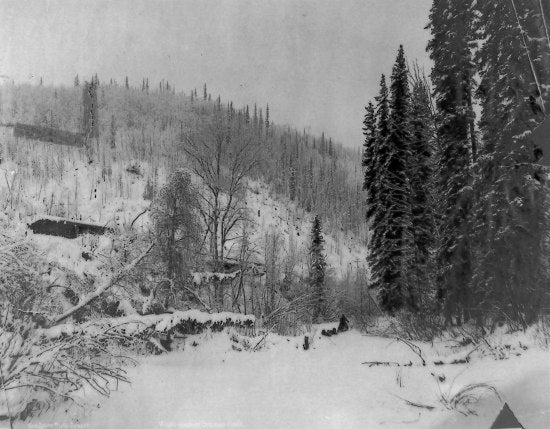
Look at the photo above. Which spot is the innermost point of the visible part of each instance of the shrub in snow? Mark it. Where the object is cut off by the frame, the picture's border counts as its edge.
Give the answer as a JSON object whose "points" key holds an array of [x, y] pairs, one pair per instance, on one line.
{"points": [[36, 371], [134, 169]]}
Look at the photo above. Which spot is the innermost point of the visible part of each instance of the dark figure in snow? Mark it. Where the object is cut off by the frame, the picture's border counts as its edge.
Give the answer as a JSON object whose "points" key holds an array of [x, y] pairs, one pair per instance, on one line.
{"points": [[344, 324]]}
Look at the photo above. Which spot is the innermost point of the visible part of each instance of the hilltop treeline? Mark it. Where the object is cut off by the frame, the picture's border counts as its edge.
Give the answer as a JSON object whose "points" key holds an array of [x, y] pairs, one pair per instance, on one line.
{"points": [[151, 124]]}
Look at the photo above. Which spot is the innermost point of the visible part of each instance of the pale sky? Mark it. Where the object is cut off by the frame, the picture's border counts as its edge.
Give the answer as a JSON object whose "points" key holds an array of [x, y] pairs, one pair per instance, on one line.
{"points": [[316, 62]]}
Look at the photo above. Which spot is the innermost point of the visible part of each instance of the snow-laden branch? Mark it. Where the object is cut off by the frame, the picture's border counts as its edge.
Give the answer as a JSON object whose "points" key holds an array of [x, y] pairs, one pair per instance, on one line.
{"points": [[136, 324], [104, 287]]}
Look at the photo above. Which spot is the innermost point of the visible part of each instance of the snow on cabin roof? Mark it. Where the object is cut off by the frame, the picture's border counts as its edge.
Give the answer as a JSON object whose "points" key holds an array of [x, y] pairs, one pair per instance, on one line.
{"points": [[63, 219]]}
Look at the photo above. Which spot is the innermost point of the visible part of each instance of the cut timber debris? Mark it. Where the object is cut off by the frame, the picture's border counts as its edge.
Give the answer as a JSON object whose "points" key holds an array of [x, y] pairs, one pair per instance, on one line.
{"points": [[377, 363]]}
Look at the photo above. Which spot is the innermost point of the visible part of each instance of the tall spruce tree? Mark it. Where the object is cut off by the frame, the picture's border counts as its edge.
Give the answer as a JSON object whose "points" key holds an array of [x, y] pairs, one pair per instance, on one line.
{"points": [[375, 184], [451, 25], [395, 290], [292, 184], [317, 267], [370, 160], [511, 222], [267, 123]]}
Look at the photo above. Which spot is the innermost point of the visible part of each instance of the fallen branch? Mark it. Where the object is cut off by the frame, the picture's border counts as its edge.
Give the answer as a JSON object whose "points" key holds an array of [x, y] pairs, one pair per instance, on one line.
{"points": [[415, 349], [416, 404], [377, 363], [198, 298], [138, 216], [103, 288], [263, 337]]}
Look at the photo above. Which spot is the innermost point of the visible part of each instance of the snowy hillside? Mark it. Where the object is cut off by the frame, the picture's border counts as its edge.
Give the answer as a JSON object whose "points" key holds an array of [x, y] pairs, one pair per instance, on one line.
{"points": [[41, 179], [294, 224]]}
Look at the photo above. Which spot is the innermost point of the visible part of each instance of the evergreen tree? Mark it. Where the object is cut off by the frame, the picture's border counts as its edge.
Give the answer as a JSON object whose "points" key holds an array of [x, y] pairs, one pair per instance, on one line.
{"points": [[126, 84], [511, 220], [292, 184], [267, 124], [113, 132], [205, 93], [369, 161], [375, 183], [255, 117], [451, 25], [317, 267], [395, 291], [76, 81]]}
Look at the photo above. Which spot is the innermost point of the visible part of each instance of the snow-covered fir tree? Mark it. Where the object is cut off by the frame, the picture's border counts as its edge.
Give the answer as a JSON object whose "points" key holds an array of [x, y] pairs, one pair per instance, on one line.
{"points": [[375, 182], [317, 267], [511, 223], [451, 25], [369, 161], [395, 290]]}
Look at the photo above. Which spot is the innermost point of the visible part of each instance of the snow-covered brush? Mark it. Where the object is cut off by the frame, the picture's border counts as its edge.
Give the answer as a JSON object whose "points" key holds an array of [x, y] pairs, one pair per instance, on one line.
{"points": [[36, 372], [291, 316], [541, 332]]}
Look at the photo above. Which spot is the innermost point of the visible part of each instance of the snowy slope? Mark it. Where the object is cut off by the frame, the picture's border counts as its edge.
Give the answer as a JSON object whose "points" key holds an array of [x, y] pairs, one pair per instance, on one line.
{"points": [[293, 223], [41, 179]]}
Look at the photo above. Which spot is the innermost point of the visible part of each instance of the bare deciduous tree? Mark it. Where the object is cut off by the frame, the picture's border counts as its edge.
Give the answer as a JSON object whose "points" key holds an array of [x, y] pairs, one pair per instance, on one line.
{"points": [[222, 156]]}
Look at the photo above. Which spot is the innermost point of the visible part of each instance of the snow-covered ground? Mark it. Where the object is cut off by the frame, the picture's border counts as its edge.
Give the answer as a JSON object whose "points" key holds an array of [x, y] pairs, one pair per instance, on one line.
{"points": [[212, 385]]}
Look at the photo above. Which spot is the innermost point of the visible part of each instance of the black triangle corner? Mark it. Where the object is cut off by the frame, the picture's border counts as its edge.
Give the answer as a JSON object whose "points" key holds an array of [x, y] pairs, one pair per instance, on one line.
{"points": [[506, 419]]}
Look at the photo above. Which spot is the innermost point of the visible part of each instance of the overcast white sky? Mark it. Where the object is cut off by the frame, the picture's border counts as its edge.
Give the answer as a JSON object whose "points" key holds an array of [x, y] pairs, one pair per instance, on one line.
{"points": [[317, 62]]}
